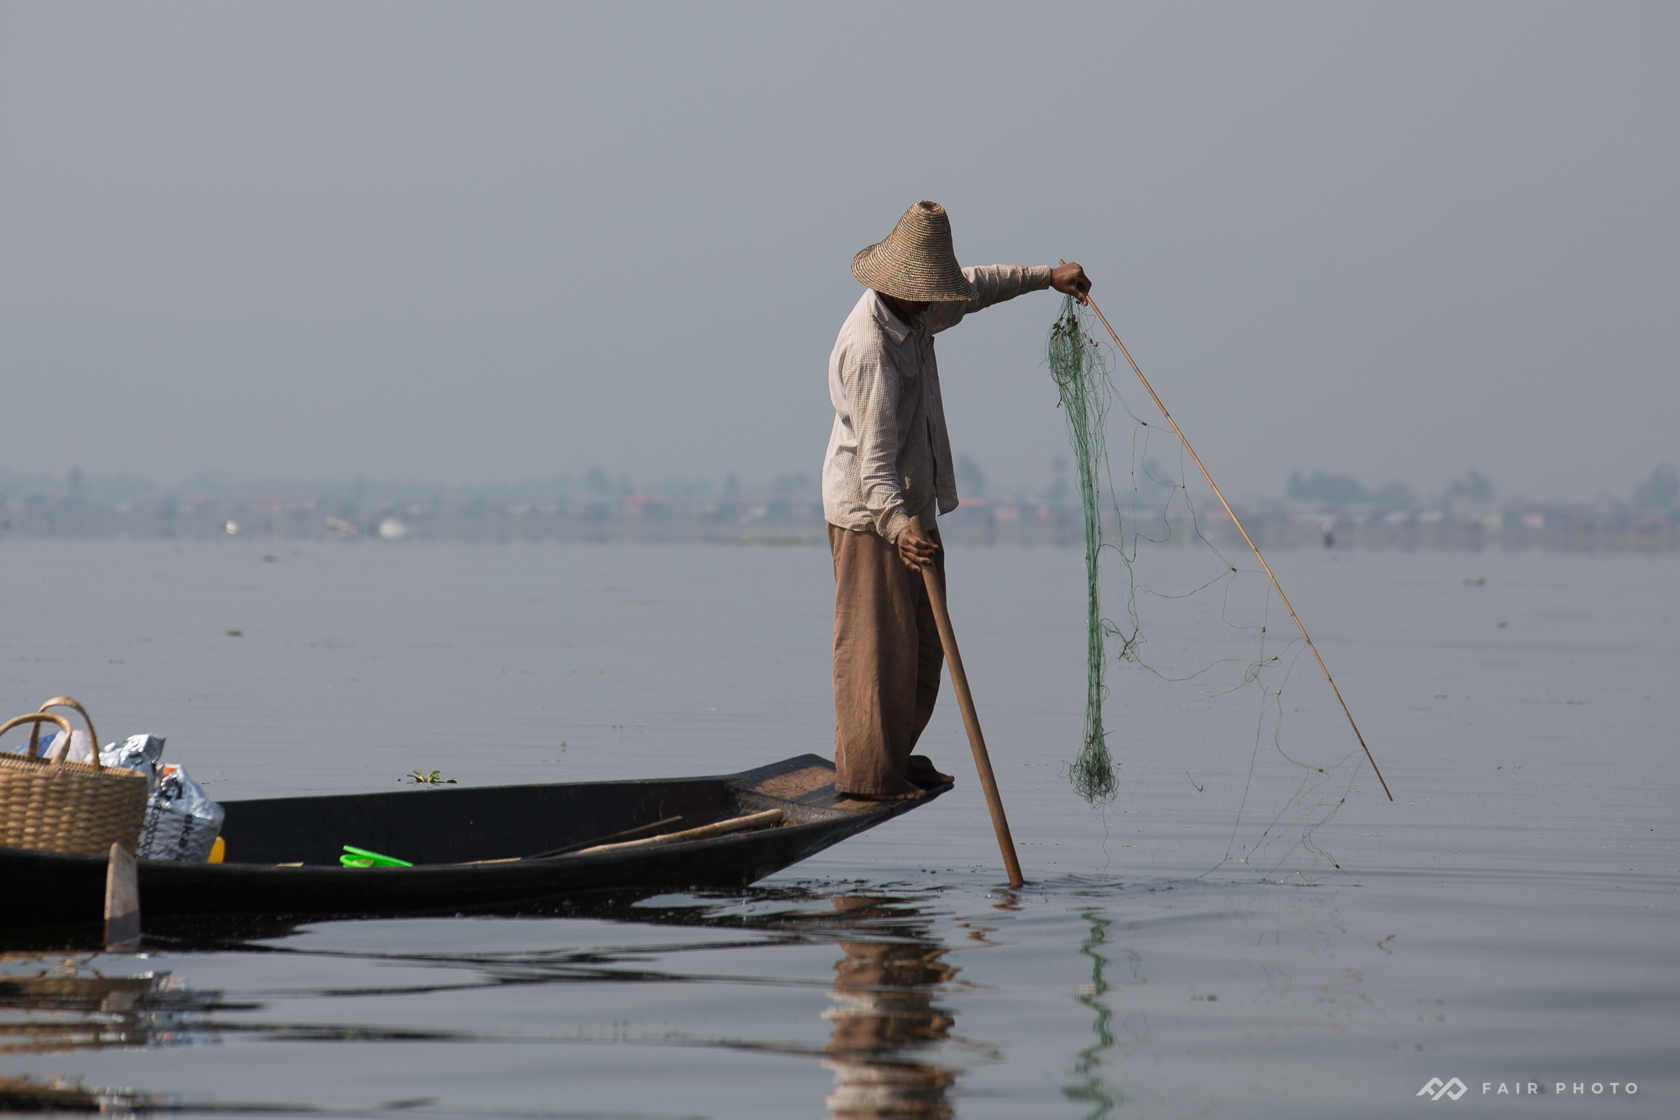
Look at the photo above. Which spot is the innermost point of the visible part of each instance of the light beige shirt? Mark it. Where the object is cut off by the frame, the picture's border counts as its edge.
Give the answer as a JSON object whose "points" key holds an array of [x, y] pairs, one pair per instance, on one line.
{"points": [[889, 457]]}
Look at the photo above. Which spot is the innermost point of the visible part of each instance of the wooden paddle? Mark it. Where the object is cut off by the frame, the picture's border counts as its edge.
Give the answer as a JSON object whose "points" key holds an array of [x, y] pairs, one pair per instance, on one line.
{"points": [[965, 701]]}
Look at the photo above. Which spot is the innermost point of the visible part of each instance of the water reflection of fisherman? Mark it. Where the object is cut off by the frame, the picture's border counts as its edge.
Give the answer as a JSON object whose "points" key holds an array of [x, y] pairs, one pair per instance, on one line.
{"points": [[883, 1010]]}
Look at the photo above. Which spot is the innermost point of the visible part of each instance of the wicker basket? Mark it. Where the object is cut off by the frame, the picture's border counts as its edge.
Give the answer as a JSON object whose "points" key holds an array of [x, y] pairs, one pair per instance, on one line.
{"points": [[60, 806]]}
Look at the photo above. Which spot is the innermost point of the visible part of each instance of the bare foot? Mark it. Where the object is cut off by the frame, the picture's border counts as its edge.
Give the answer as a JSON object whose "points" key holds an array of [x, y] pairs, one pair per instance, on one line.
{"points": [[921, 771]]}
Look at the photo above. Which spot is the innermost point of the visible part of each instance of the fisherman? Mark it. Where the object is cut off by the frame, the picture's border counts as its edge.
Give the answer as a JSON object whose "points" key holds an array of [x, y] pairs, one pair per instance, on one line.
{"points": [[886, 477]]}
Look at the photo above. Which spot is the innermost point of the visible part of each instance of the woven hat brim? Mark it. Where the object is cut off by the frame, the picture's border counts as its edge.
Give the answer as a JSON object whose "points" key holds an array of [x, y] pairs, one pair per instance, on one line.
{"points": [[880, 268]]}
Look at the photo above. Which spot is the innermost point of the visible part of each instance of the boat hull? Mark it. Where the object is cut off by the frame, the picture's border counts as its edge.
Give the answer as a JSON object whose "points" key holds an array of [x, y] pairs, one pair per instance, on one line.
{"points": [[467, 845]]}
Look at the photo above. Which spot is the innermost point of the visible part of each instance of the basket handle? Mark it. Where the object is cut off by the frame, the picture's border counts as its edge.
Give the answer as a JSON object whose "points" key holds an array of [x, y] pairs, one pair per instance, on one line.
{"points": [[69, 702], [38, 718]]}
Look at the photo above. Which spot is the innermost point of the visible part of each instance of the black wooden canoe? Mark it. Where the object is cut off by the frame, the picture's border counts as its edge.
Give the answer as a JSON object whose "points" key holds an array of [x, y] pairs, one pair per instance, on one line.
{"points": [[471, 849]]}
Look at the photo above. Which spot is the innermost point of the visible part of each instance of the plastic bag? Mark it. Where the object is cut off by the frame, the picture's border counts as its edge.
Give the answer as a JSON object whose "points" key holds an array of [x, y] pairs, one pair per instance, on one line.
{"points": [[81, 747], [181, 822], [141, 753], [137, 752]]}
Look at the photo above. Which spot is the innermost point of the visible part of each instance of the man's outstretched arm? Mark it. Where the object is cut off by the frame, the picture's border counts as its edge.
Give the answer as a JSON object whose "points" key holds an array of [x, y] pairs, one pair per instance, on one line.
{"points": [[1000, 282]]}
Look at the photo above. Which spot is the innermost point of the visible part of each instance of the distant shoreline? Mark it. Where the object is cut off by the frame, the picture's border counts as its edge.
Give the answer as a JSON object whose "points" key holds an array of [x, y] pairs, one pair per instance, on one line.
{"points": [[769, 521]]}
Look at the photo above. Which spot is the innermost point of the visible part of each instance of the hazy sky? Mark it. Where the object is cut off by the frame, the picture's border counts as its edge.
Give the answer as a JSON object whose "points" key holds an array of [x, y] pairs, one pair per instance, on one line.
{"points": [[476, 242]]}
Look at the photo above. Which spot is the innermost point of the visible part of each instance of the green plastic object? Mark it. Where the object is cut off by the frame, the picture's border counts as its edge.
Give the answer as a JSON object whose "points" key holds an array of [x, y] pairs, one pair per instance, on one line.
{"points": [[361, 857]]}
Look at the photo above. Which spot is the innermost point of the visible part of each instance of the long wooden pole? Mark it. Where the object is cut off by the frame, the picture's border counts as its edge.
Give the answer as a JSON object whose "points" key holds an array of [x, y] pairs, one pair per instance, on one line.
{"points": [[1236, 521], [971, 720]]}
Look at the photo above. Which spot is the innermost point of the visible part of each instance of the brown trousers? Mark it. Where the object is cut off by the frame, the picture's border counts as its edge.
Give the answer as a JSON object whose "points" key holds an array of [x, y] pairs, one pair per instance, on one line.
{"points": [[887, 660]]}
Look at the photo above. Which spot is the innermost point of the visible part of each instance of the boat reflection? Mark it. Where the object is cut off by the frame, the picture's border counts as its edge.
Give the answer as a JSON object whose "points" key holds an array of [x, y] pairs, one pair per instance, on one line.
{"points": [[886, 1022], [883, 1013], [59, 1002]]}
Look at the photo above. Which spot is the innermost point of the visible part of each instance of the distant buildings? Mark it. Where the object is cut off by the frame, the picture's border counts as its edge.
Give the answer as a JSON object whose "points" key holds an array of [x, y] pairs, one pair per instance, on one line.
{"points": [[1446, 523]]}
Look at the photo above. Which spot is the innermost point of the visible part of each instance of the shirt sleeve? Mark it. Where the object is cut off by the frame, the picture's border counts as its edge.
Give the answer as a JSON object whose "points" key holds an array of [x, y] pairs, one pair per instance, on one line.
{"points": [[871, 386], [993, 283]]}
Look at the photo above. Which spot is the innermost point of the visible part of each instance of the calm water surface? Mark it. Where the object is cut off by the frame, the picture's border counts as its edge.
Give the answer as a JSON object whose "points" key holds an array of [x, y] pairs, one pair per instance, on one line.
{"points": [[1510, 919]]}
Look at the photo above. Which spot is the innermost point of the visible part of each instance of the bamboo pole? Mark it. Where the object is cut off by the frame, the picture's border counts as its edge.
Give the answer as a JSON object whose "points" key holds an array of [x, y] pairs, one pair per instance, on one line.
{"points": [[971, 721], [769, 818], [1238, 523]]}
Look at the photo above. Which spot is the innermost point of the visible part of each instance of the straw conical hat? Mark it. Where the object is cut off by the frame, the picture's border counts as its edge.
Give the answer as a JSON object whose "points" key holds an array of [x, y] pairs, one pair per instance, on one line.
{"points": [[916, 261]]}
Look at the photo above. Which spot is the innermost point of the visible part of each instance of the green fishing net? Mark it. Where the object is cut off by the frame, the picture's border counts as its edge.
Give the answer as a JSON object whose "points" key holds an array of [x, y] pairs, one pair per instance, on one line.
{"points": [[1186, 645], [1082, 379]]}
